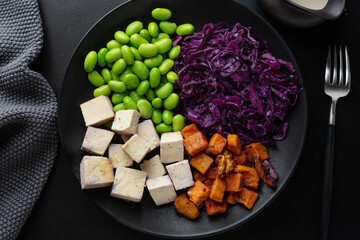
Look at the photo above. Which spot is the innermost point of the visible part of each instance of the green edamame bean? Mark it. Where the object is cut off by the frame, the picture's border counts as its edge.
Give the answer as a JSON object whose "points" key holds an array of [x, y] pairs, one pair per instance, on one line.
{"points": [[161, 14], [117, 98], [121, 37], [96, 79], [163, 128], [172, 76], [113, 44], [174, 52], [113, 55], [90, 61], [157, 102], [106, 74], [164, 79], [127, 70], [120, 106], [136, 40], [153, 29], [108, 125], [159, 37], [165, 90], [143, 87], [145, 108], [148, 50], [140, 69], [166, 66], [185, 29], [168, 27], [101, 57], [171, 101], [154, 77], [117, 86], [119, 66], [129, 103], [135, 96], [167, 117], [110, 65], [137, 55], [102, 90], [178, 123], [145, 34], [133, 28], [150, 94], [131, 81], [156, 116], [114, 76], [154, 61], [127, 55], [164, 45]]}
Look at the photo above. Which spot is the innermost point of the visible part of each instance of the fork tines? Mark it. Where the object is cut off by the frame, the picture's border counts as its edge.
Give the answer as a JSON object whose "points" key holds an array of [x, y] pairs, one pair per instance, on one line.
{"points": [[337, 76]]}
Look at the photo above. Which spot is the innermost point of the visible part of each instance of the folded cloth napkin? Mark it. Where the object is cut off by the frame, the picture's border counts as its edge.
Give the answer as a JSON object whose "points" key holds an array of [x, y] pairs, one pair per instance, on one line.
{"points": [[28, 115]]}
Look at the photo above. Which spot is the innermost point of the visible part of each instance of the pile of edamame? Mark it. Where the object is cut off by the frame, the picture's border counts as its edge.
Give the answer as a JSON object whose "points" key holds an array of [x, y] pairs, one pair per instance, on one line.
{"points": [[135, 70]]}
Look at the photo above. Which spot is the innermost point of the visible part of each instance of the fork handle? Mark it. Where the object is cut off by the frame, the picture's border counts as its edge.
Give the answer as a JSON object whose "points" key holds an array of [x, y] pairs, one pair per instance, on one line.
{"points": [[327, 182]]}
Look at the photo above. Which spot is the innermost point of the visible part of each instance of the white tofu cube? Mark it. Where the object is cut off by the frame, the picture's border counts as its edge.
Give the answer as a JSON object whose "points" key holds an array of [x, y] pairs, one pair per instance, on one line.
{"points": [[126, 122], [153, 167], [136, 148], [128, 184], [180, 174], [96, 172], [125, 137], [96, 140], [97, 111], [147, 131], [118, 157], [161, 190], [171, 147]]}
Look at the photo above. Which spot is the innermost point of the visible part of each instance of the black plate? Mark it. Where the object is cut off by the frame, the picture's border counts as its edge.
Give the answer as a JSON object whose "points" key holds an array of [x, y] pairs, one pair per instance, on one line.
{"points": [[145, 216]]}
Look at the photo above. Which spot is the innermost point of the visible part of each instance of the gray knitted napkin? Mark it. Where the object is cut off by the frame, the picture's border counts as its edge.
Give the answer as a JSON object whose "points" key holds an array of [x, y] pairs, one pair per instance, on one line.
{"points": [[28, 115]]}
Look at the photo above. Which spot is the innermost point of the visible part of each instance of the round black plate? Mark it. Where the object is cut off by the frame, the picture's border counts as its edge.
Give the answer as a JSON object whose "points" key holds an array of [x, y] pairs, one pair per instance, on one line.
{"points": [[145, 216]]}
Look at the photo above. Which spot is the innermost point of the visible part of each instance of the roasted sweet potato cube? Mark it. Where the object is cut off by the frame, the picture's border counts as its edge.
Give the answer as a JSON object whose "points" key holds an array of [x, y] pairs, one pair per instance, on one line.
{"points": [[218, 190], [255, 150], [212, 173], [208, 182], [234, 143], [213, 207], [246, 197], [201, 162], [242, 168], [230, 198], [198, 193], [216, 144], [189, 130], [250, 176], [187, 208], [195, 143], [198, 176], [240, 159], [233, 181]]}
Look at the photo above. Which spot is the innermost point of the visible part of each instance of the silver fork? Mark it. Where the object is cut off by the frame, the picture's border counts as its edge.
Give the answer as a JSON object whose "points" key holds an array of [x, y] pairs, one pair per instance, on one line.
{"points": [[337, 85]]}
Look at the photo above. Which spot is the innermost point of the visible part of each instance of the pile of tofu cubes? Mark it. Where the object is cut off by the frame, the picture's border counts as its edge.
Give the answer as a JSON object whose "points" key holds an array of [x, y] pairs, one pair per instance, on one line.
{"points": [[162, 175]]}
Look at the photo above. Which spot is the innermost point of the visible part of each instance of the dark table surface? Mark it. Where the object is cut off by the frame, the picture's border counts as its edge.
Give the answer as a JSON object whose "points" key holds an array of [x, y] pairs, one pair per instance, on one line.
{"points": [[63, 211]]}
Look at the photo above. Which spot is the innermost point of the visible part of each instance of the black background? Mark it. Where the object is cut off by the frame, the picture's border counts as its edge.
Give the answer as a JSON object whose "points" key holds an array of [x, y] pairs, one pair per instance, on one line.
{"points": [[63, 211]]}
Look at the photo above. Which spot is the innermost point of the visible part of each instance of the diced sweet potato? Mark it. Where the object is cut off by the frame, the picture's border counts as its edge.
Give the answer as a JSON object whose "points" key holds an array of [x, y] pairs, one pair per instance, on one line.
{"points": [[213, 207], [198, 176], [198, 193], [187, 208], [240, 159], [234, 143], [189, 130], [195, 143], [233, 181], [230, 198], [250, 176], [201, 162], [208, 182], [255, 150], [241, 168], [218, 190], [246, 197], [212, 173], [216, 144]]}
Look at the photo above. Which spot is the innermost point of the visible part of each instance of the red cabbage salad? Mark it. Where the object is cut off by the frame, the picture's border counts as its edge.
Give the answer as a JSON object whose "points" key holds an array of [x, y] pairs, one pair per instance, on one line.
{"points": [[231, 83]]}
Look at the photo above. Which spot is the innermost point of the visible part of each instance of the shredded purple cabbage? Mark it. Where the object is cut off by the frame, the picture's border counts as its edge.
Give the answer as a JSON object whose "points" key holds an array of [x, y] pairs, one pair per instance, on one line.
{"points": [[230, 82]]}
